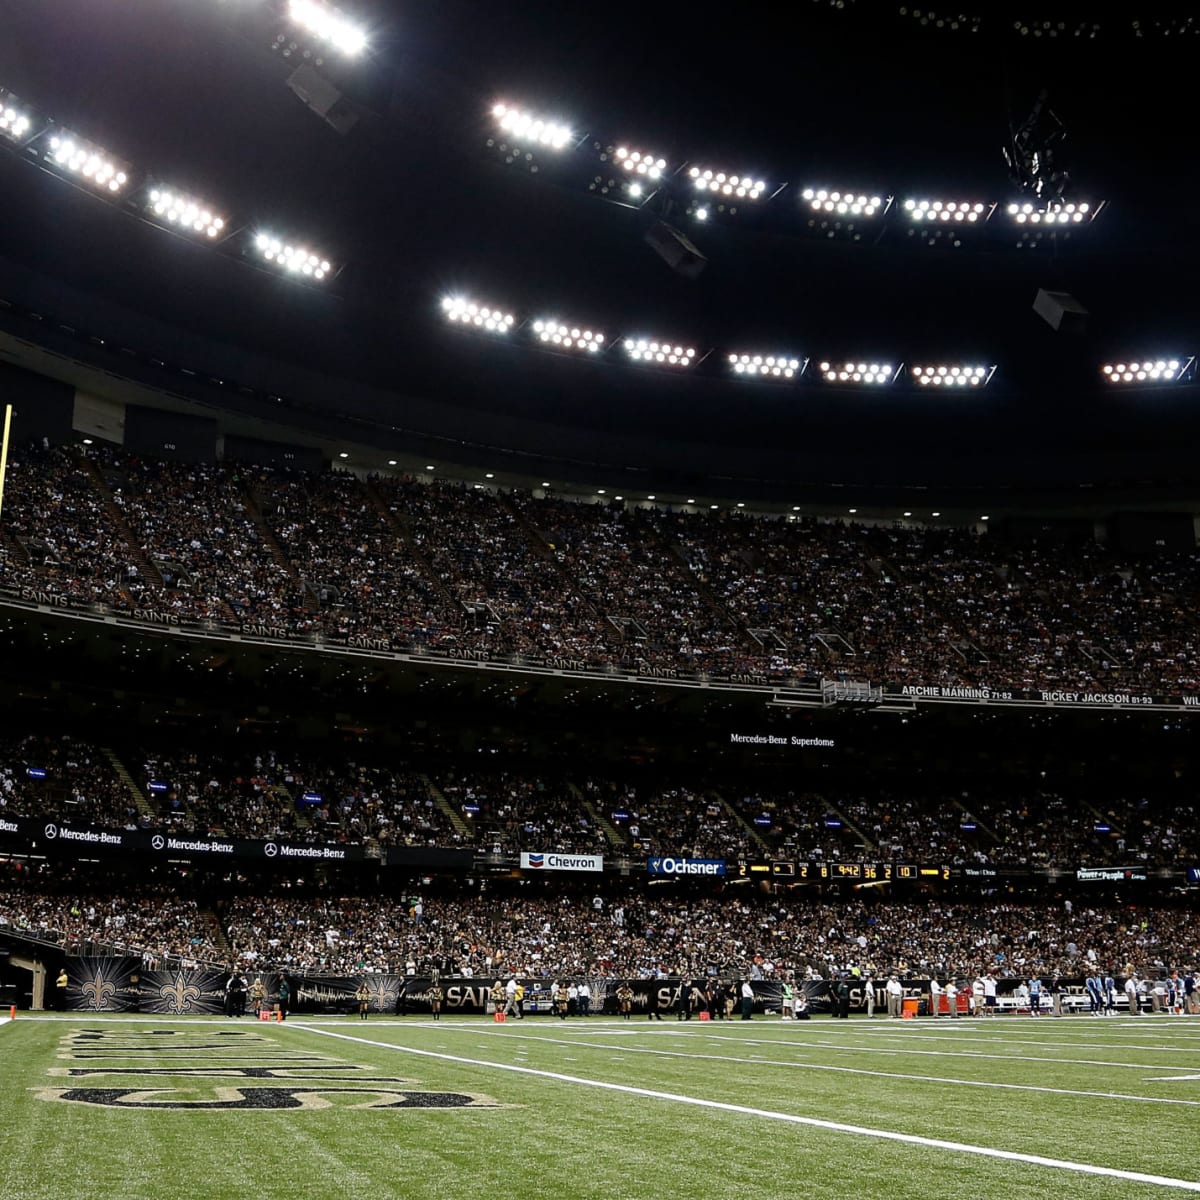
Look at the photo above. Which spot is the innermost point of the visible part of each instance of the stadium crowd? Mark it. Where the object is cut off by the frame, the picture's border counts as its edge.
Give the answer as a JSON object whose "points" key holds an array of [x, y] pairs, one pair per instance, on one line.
{"points": [[754, 937], [454, 566], [152, 922], [66, 778], [310, 795], [616, 932]]}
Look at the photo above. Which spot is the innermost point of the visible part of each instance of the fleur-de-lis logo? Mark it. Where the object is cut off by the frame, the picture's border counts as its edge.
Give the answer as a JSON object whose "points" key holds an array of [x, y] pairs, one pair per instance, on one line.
{"points": [[98, 992], [179, 996]]}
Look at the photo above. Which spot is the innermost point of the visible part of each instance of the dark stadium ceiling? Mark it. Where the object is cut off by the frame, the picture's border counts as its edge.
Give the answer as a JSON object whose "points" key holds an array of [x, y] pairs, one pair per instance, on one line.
{"points": [[875, 95]]}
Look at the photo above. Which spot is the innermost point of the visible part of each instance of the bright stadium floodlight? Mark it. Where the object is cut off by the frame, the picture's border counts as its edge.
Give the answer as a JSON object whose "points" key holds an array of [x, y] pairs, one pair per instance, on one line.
{"points": [[91, 164], [766, 366], [638, 163], [329, 24], [530, 129], [461, 311], [655, 353], [1159, 370], [958, 375], [292, 260], [568, 337], [963, 212], [845, 204], [859, 372], [177, 211], [1026, 213], [720, 184], [15, 122]]}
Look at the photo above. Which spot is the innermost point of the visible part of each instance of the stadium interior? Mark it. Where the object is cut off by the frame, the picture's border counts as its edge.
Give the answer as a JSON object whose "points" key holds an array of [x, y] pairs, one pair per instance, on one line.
{"points": [[692, 513]]}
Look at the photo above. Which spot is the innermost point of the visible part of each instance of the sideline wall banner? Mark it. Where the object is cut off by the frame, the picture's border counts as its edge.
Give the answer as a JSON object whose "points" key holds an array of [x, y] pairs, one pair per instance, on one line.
{"points": [[97, 984], [196, 992]]}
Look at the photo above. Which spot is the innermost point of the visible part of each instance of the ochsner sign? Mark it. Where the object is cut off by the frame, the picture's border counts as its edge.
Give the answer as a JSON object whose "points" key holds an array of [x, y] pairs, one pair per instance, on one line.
{"points": [[562, 862], [686, 866]]}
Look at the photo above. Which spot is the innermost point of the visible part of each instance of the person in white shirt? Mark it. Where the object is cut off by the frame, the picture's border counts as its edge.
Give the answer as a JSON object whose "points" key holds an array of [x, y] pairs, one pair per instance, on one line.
{"points": [[935, 998], [989, 994], [747, 999], [951, 994], [1131, 991], [584, 999], [869, 994], [895, 997]]}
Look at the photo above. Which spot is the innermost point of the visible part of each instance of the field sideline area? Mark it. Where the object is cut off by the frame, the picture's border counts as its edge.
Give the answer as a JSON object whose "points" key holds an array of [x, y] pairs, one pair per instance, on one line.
{"points": [[137, 1106]]}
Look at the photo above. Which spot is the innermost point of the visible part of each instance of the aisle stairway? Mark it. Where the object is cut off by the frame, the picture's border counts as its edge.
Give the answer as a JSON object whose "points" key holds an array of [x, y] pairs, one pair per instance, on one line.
{"points": [[140, 799], [751, 832], [610, 831], [456, 819], [266, 537], [149, 572]]}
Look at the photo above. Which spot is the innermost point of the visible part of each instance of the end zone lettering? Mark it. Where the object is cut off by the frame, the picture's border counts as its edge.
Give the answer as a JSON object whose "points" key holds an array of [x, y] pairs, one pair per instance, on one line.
{"points": [[686, 866]]}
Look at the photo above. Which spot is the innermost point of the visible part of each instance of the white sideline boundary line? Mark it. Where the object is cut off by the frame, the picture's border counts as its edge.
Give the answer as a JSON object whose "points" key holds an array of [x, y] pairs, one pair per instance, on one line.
{"points": [[847, 1048], [889, 1135], [808, 1066], [1016, 1041]]}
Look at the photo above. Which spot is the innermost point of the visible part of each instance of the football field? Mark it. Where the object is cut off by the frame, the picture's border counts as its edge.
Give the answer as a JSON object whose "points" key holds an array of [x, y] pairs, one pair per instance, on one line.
{"points": [[334, 1107]]}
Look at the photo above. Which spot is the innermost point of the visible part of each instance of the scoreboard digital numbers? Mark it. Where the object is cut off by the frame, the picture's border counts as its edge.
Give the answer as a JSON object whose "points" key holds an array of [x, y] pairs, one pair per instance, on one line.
{"points": [[852, 872], [869, 872]]}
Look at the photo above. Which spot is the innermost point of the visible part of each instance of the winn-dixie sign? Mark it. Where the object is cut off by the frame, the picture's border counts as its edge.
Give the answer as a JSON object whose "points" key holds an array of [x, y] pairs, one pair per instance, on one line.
{"points": [[686, 866], [82, 839], [562, 862]]}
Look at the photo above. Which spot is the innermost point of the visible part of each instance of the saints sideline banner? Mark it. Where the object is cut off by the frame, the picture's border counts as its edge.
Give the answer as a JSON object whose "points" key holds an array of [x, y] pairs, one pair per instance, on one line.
{"points": [[97, 984], [172, 992], [102, 984], [117, 984]]}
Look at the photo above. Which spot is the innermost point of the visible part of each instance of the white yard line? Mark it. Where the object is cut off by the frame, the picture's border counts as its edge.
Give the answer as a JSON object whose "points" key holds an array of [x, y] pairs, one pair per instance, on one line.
{"points": [[976, 1054], [759, 1061], [788, 1118], [1014, 1041]]}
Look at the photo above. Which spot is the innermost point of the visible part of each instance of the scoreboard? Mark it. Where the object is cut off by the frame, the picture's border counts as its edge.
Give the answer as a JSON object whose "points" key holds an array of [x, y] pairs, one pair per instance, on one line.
{"points": [[854, 872]]}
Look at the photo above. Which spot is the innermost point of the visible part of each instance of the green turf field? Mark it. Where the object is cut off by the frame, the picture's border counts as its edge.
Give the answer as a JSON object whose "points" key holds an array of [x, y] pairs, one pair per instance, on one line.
{"points": [[135, 1107]]}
